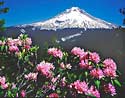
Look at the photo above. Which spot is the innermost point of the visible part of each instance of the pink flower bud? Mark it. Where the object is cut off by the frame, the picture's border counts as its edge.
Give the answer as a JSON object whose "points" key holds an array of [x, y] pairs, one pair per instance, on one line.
{"points": [[23, 93]]}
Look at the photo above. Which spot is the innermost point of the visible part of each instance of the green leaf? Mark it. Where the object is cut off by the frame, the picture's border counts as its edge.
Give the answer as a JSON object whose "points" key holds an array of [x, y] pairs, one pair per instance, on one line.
{"points": [[86, 73], [90, 62], [80, 76], [6, 48], [97, 82], [112, 82], [1, 93], [117, 82], [9, 94], [26, 58], [2, 48]]}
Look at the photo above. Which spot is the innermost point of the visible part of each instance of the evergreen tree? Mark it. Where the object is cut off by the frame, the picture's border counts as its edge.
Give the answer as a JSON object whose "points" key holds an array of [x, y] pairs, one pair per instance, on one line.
{"points": [[122, 11], [2, 11]]}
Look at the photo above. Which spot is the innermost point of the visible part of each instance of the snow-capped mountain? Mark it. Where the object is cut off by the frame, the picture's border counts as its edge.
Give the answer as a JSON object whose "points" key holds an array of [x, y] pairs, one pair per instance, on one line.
{"points": [[72, 18]]}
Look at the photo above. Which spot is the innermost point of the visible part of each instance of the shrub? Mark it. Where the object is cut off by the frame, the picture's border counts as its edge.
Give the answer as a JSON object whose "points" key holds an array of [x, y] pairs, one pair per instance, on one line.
{"points": [[78, 73]]}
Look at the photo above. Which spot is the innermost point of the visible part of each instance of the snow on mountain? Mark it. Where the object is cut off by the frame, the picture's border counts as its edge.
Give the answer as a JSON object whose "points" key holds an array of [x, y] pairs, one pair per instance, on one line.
{"points": [[72, 18]]}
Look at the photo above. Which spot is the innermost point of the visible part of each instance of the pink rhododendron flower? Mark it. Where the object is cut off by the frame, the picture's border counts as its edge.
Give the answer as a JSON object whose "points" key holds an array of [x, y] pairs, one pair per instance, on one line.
{"points": [[77, 51], [49, 86], [110, 63], [94, 57], [27, 47], [63, 82], [84, 55], [4, 86], [80, 87], [97, 73], [84, 64], [13, 48], [2, 82], [53, 95], [45, 69], [13, 85], [17, 42], [2, 43], [55, 79], [110, 89], [93, 91], [31, 76], [109, 72], [62, 65], [10, 42], [55, 52], [67, 66], [28, 41], [23, 93]]}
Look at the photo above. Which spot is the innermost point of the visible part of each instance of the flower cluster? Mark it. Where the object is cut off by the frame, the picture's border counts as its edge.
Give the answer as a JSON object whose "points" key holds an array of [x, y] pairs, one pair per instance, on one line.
{"points": [[80, 87], [31, 76], [14, 44], [55, 52], [78, 73], [110, 68], [92, 64], [97, 73], [3, 83], [45, 68], [109, 88]]}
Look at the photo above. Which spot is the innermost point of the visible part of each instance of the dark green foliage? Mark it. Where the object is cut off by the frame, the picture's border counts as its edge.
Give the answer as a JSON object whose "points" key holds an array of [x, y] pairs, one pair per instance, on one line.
{"points": [[2, 11], [122, 11]]}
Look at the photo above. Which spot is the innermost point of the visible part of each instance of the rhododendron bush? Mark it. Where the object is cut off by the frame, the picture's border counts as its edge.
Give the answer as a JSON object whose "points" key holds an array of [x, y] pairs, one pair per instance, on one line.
{"points": [[77, 74]]}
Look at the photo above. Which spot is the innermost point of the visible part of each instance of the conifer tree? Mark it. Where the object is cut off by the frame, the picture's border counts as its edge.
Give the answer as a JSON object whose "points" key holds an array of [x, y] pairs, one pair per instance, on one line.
{"points": [[2, 11], [122, 11]]}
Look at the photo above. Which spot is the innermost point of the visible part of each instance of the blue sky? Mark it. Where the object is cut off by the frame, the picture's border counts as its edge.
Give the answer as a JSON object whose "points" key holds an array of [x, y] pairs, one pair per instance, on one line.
{"points": [[29, 11]]}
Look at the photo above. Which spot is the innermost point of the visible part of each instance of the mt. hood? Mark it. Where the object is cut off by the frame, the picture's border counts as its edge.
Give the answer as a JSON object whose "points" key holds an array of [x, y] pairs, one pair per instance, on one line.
{"points": [[72, 18]]}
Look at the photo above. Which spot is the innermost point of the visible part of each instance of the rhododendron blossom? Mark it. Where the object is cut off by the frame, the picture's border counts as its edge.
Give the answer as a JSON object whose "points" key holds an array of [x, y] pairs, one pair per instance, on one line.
{"points": [[77, 51], [80, 87], [109, 88], [84, 55], [55, 79], [2, 43], [53, 95], [84, 64], [3, 83], [110, 63], [109, 72], [55, 52], [63, 81], [67, 66], [94, 92], [31, 76], [45, 68], [94, 57], [17, 42], [13, 49], [77, 73], [28, 41], [97, 73], [27, 47], [23, 93]]}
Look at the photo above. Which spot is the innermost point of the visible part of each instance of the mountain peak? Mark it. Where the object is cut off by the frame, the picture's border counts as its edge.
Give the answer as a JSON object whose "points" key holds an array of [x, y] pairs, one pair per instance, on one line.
{"points": [[77, 9], [73, 18]]}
